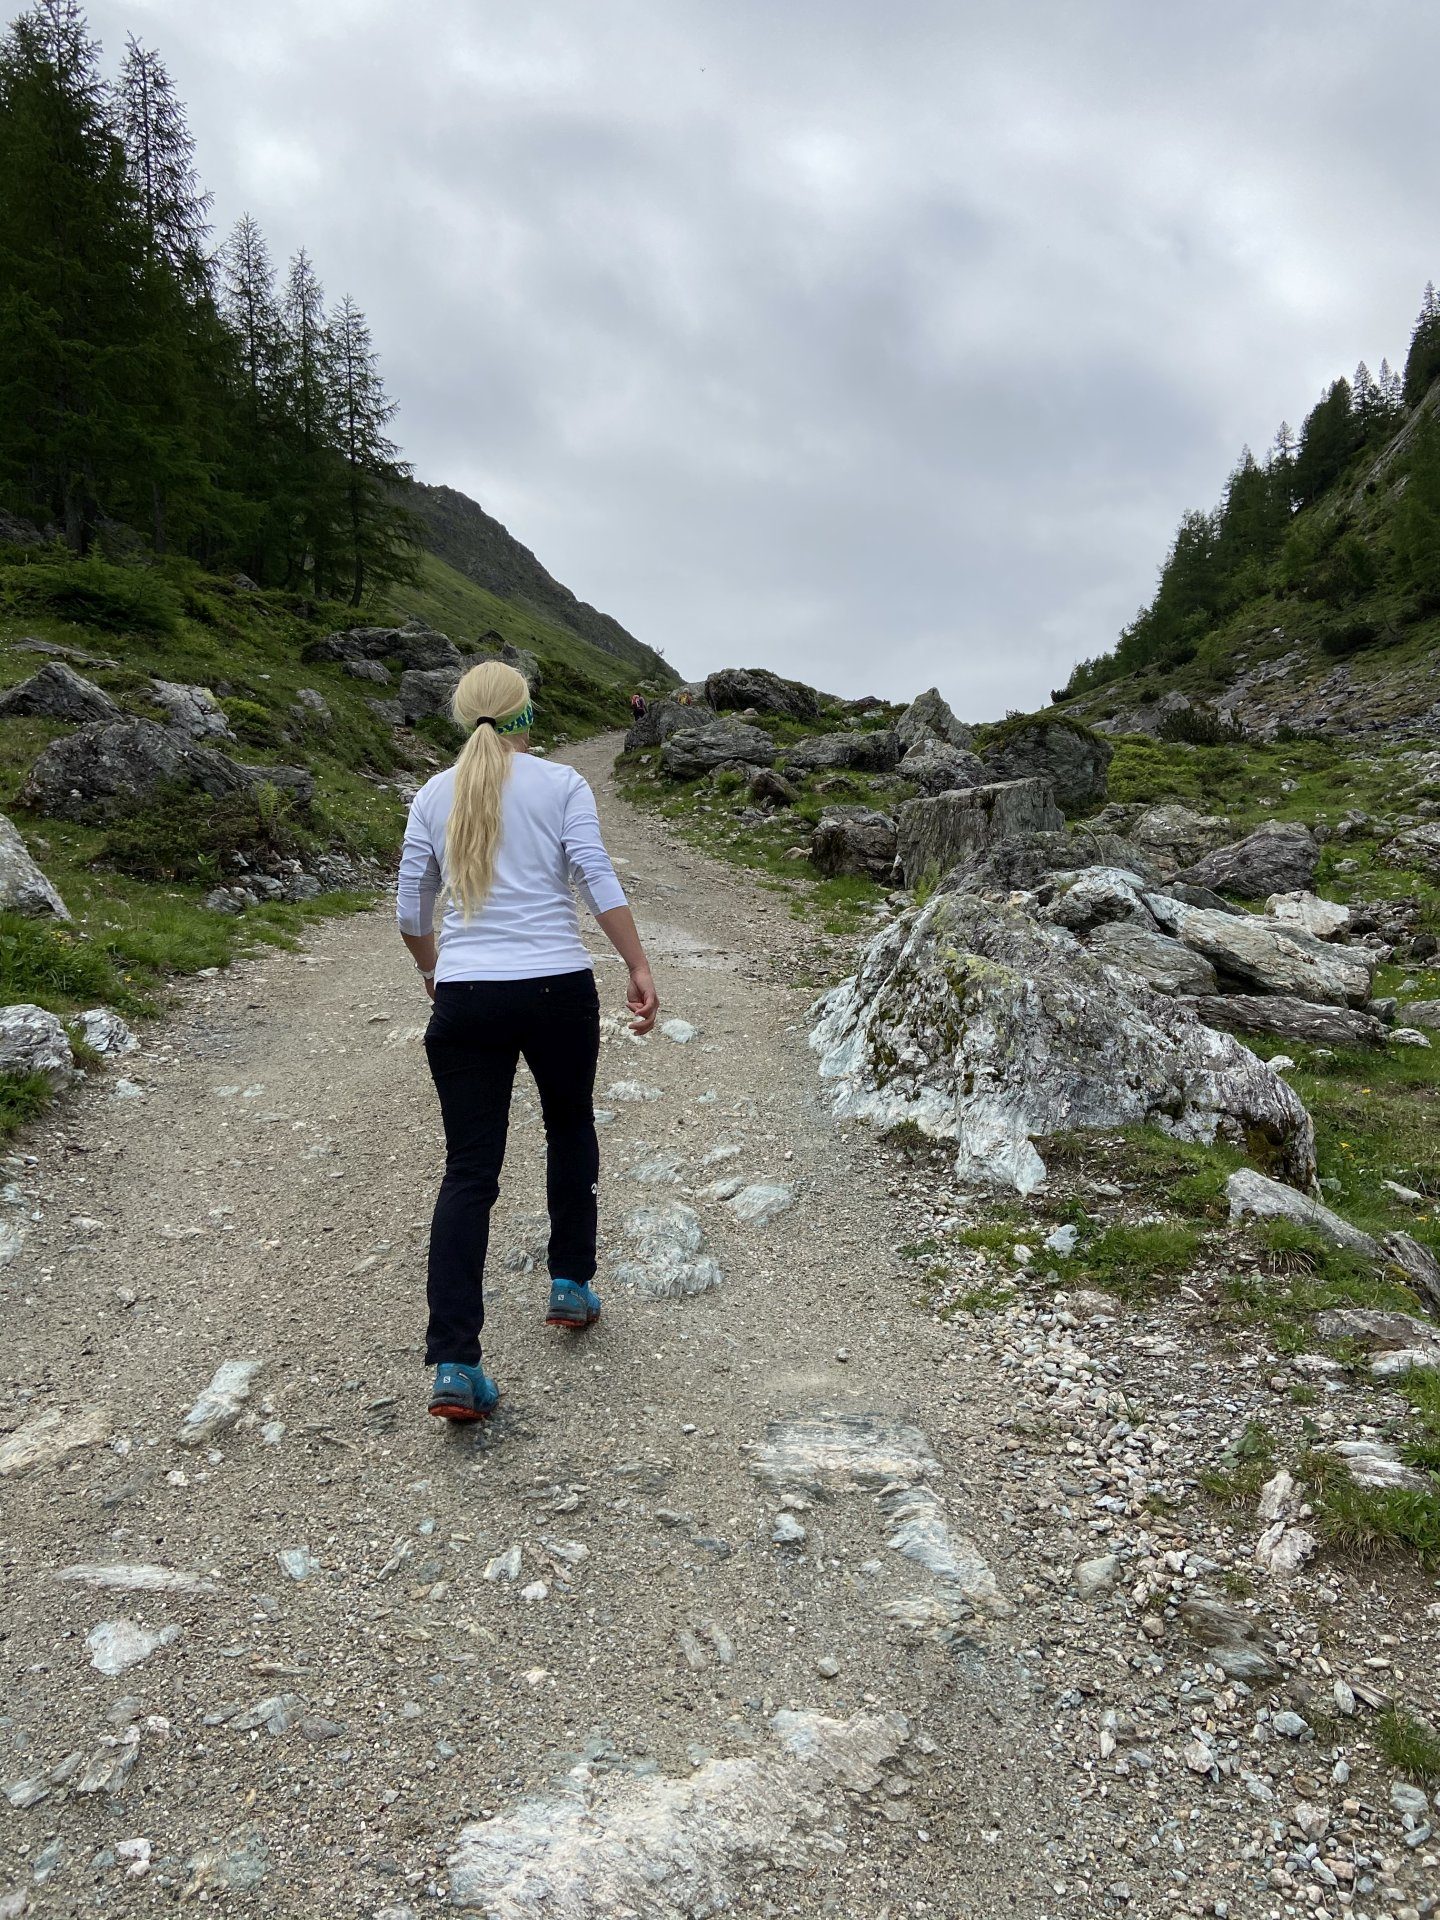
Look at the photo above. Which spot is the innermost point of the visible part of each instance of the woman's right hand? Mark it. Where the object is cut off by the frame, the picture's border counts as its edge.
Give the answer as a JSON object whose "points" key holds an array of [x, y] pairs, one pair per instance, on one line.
{"points": [[642, 1000]]}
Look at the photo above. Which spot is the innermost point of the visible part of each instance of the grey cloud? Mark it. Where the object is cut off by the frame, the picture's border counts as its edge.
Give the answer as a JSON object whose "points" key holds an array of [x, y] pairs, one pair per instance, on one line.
{"points": [[882, 344]]}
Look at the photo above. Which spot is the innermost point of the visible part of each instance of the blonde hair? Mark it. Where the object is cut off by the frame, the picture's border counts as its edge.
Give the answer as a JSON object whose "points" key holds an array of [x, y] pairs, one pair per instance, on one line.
{"points": [[491, 691]]}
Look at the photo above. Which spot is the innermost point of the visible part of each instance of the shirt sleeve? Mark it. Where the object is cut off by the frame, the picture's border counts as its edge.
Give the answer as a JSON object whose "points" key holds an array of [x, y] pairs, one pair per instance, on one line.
{"points": [[590, 866], [419, 881]]}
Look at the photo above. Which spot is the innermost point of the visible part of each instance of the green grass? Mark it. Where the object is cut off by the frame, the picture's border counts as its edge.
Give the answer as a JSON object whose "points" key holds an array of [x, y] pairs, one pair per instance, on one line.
{"points": [[1409, 1745], [1243, 1468], [1137, 1261], [1372, 1522], [23, 1098]]}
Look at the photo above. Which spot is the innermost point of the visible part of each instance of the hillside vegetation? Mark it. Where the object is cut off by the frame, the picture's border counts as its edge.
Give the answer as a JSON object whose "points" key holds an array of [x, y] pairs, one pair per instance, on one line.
{"points": [[1309, 597]]}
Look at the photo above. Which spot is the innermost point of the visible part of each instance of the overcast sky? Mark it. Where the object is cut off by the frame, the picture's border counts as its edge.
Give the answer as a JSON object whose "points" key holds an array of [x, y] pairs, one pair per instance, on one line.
{"points": [[879, 341]]}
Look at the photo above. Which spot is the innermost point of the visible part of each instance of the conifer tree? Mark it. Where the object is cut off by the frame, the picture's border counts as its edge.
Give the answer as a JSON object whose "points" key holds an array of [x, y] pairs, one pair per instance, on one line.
{"points": [[160, 158], [310, 476], [1330, 437], [1422, 363], [376, 530]]}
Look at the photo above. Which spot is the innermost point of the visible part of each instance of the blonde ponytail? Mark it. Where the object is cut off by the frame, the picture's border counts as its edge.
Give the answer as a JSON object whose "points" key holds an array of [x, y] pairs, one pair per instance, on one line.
{"points": [[491, 692]]}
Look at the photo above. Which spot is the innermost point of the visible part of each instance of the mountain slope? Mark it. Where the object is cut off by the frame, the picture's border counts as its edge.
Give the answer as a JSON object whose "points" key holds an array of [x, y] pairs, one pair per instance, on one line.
{"points": [[460, 533]]}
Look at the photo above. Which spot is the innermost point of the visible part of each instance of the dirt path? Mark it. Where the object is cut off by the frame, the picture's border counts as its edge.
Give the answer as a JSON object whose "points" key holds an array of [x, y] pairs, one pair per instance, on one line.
{"points": [[726, 1611]]}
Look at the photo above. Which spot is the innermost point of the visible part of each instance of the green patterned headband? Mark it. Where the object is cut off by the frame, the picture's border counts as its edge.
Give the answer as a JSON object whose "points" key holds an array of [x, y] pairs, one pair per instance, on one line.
{"points": [[518, 723]]}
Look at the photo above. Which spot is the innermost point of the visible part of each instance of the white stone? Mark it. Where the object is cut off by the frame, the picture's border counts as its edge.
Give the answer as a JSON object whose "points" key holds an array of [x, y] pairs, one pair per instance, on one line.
{"points": [[1063, 1240], [34, 1041], [1408, 1037], [220, 1405], [105, 1032], [505, 1566], [23, 887], [50, 1435], [667, 1260], [680, 1031], [759, 1204], [117, 1645], [129, 1577], [1403, 1360], [1321, 919]]}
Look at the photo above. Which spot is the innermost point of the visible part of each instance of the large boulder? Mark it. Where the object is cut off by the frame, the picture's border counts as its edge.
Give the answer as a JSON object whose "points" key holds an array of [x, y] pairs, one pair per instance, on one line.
{"points": [[194, 710], [981, 1025], [424, 692], [1321, 919], [854, 840], [33, 1041], [1279, 857], [1163, 964], [688, 754], [412, 645], [23, 887], [1416, 847], [935, 835], [661, 718], [770, 789], [1040, 862], [1176, 836], [96, 772], [1095, 896], [937, 767], [525, 662], [741, 687], [1421, 1013], [1073, 759], [875, 752], [57, 692], [1255, 954], [928, 717]]}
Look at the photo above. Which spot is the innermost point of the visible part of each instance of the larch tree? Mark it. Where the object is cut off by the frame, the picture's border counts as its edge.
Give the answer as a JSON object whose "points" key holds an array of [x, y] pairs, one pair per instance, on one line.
{"points": [[377, 530]]}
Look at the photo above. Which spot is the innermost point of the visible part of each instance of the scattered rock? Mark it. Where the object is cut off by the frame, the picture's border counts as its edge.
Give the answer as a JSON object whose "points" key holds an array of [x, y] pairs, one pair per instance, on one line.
{"points": [[1285, 1017], [1249, 949], [57, 692], [50, 1435], [505, 1566], [787, 1531], [117, 1645], [1097, 1576], [426, 693], [693, 752], [935, 767], [127, 1577], [1165, 965], [680, 1031], [194, 710], [34, 1041], [110, 1763], [877, 751], [770, 789], [23, 887], [105, 1032], [928, 717], [661, 718], [220, 1405], [758, 1205], [91, 774], [842, 1453], [667, 1261], [1373, 1463], [1321, 919], [1278, 857], [1417, 846], [1177, 836]]}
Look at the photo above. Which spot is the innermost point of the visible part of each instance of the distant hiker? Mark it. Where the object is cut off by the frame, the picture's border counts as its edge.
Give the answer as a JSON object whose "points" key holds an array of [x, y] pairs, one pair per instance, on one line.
{"points": [[684, 698], [505, 833], [637, 706]]}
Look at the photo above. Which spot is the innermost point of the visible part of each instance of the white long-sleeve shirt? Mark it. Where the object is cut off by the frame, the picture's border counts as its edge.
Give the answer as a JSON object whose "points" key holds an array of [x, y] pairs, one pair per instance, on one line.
{"points": [[549, 843]]}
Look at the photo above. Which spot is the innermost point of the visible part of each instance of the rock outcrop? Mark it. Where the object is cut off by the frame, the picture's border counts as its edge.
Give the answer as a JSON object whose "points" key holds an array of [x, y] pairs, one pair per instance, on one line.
{"points": [[417, 647], [1073, 759], [23, 887], [735, 688], [935, 835], [1268, 957], [95, 772], [928, 717], [854, 840], [1280, 857], [691, 753], [981, 1025], [57, 692]]}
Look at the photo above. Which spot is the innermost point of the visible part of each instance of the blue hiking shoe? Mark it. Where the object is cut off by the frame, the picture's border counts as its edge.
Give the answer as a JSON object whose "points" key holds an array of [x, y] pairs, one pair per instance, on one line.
{"points": [[574, 1304], [463, 1393]]}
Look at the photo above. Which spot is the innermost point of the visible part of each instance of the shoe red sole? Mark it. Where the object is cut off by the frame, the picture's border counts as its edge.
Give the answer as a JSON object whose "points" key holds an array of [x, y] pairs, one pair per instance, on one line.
{"points": [[461, 1416], [570, 1326]]}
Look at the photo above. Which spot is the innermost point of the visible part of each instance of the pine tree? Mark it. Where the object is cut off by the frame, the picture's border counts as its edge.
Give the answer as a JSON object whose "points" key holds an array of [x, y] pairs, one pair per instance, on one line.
{"points": [[1328, 440], [1392, 390], [311, 466], [1280, 465], [1365, 401], [160, 157], [76, 299], [1422, 363], [1417, 517], [377, 530]]}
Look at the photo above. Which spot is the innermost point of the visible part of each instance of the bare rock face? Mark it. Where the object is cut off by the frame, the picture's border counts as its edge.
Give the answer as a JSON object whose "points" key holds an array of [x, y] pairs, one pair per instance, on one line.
{"points": [[33, 1041], [873, 752], [1269, 958], [854, 840], [689, 755], [23, 887], [980, 1025], [928, 717], [1280, 857], [1073, 759], [937, 767], [661, 718], [57, 692], [91, 774], [1164, 965], [935, 835], [740, 687]]}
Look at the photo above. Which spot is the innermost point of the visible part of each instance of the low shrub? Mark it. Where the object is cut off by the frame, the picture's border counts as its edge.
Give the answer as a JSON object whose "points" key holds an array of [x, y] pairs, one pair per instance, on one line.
{"points": [[180, 835], [93, 593], [45, 963]]}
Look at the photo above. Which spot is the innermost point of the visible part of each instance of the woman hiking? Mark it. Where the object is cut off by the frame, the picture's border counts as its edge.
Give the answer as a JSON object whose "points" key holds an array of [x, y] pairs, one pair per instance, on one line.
{"points": [[505, 834]]}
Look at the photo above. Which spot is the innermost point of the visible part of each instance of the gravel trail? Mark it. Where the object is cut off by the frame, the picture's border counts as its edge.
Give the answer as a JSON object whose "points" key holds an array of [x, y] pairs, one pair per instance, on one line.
{"points": [[723, 1612]]}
